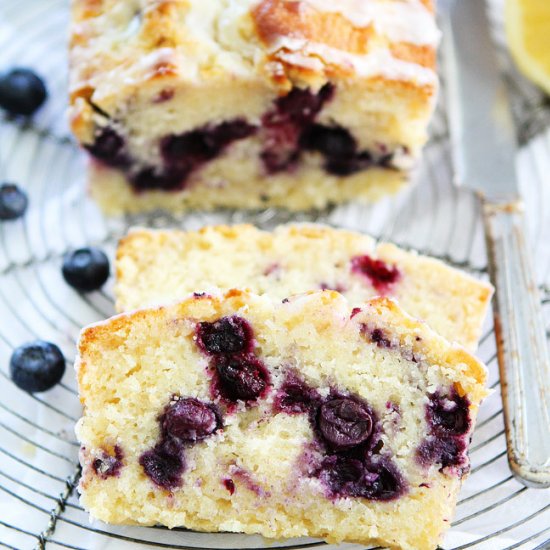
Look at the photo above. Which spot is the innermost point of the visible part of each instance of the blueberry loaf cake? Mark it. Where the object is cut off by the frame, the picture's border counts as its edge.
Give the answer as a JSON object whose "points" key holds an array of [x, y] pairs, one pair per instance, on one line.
{"points": [[249, 103], [301, 418], [155, 267]]}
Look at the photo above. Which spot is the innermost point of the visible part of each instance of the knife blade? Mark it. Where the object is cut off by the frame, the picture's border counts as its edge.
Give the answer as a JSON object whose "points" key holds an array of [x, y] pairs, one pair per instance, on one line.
{"points": [[484, 148]]}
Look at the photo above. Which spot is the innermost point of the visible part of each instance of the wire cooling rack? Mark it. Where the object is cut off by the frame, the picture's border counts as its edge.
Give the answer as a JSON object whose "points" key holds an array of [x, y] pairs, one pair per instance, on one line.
{"points": [[38, 453]]}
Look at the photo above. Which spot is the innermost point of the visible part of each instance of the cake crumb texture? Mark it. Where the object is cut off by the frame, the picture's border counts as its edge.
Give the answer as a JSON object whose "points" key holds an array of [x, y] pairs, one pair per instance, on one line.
{"points": [[155, 267], [286, 460]]}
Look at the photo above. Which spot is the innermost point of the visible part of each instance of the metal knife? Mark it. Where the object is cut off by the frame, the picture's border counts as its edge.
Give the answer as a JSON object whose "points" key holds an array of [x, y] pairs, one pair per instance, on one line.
{"points": [[484, 149]]}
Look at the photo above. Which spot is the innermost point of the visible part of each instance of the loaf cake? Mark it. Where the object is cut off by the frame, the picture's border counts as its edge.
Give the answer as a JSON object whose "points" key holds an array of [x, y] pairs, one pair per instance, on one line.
{"points": [[154, 267], [250, 103], [306, 417]]}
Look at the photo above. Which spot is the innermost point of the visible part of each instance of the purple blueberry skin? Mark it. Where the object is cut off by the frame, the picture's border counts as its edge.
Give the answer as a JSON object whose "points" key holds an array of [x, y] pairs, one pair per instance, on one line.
{"points": [[344, 422], [374, 478], [448, 418], [240, 377], [379, 338], [447, 451], [109, 147], [226, 335], [109, 465], [198, 146], [448, 414], [330, 141], [166, 180], [190, 420], [285, 125], [295, 396], [164, 464], [22, 91]]}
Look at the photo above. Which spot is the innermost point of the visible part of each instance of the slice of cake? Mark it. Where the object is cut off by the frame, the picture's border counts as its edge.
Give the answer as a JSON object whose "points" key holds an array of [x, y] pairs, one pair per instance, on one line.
{"points": [[250, 103], [155, 267], [301, 418]]}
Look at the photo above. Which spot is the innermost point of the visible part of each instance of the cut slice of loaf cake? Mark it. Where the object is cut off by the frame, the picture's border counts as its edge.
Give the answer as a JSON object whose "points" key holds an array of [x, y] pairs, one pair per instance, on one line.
{"points": [[155, 267], [303, 418]]}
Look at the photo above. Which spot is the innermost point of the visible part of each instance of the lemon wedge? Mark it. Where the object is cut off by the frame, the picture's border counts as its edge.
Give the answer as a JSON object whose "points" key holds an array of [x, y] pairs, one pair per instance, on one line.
{"points": [[528, 31]]}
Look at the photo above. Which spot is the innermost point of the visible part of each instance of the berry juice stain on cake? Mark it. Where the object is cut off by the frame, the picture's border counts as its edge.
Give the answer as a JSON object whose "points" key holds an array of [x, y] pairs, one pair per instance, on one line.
{"points": [[108, 464], [247, 480], [381, 275], [229, 485], [184, 422], [449, 422], [224, 336]]}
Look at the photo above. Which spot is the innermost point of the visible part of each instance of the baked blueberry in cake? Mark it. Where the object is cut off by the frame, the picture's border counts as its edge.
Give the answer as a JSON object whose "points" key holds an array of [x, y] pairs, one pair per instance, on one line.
{"points": [[233, 412], [155, 267], [250, 103]]}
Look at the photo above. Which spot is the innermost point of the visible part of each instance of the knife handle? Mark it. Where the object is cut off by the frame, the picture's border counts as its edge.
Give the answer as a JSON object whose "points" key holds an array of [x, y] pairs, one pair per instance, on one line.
{"points": [[521, 344]]}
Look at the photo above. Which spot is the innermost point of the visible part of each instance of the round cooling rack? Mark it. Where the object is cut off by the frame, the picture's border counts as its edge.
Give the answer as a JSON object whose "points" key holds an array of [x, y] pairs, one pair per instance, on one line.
{"points": [[38, 453]]}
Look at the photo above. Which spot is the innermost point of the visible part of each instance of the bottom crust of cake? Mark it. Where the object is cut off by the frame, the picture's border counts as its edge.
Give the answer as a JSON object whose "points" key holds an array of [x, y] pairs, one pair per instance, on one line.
{"points": [[234, 182]]}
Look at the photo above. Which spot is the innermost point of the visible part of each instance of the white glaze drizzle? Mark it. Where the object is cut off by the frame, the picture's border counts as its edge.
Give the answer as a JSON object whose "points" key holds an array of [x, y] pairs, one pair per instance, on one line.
{"points": [[401, 21], [379, 62]]}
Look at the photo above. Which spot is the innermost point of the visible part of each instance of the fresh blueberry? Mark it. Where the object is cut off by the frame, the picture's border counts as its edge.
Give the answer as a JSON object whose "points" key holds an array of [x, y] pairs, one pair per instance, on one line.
{"points": [[226, 335], [190, 419], [13, 201], [345, 422], [22, 92], [164, 464], [37, 366], [86, 269], [240, 377]]}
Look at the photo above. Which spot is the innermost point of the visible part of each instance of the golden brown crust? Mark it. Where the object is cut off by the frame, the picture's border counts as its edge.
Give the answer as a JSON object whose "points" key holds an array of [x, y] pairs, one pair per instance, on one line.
{"points": [[421, 55], [276, 18]]}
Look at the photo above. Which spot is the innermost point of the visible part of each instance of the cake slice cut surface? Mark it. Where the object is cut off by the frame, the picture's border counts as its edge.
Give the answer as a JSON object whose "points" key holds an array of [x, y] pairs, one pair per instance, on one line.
{"points": [[250, 103], [303, 418], [154, 267]]}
